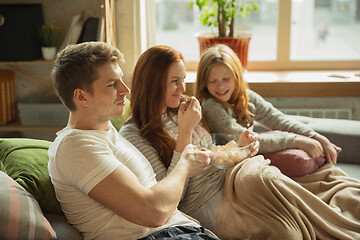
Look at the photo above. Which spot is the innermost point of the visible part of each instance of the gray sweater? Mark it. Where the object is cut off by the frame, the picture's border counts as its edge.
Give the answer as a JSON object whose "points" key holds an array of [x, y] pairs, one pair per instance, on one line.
{"points": [[223, 120]]}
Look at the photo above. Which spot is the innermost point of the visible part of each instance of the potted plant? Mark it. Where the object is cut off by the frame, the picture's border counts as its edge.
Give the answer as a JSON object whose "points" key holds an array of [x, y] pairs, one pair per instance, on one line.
{"points": [[221, 14], [48, 34]]}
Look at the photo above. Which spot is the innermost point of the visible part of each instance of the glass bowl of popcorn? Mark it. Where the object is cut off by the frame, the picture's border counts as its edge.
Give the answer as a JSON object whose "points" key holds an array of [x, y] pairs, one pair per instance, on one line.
{"points": [[226, 152]]}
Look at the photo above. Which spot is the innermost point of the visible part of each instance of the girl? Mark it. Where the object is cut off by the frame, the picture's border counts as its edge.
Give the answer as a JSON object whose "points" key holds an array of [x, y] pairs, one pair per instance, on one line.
{"points": [[230, 107]]}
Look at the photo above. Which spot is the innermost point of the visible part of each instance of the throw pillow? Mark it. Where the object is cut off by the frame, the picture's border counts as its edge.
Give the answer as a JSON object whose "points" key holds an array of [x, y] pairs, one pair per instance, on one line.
{"points": [[294, 162], [25, 160], [20, 214]]}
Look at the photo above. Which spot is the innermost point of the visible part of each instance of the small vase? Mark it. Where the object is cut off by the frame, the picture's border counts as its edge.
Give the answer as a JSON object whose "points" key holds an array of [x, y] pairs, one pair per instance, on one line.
{"points": [[48, 53]]}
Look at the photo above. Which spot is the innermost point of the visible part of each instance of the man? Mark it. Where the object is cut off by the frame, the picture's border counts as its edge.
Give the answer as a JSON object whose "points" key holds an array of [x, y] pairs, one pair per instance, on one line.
{"points": [[106, 187]]}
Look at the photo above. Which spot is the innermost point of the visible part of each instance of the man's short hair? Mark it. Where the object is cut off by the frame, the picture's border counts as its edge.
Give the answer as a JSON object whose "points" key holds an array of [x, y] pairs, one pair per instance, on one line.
{"points": [[76, 67]]}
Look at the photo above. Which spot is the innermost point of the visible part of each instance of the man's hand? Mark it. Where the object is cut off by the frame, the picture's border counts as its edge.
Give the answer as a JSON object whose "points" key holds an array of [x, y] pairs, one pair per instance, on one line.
{"points": [[196, 160]]}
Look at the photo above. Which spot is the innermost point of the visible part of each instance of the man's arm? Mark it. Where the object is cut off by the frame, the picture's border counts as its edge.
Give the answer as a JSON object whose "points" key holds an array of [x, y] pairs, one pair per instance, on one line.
{"points": [[122, 192]]}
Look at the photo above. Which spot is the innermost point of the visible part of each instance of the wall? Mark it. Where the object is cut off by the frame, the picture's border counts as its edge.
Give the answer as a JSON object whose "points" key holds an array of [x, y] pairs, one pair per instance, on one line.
{"points": [[311, 103], [297, 102], [127, 17], [60, 13], [128, 33]]}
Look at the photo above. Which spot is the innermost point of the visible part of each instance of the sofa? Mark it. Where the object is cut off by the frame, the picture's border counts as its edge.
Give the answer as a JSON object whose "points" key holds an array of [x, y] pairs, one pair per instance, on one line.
{"points": [[23, 165], [29, 208]]}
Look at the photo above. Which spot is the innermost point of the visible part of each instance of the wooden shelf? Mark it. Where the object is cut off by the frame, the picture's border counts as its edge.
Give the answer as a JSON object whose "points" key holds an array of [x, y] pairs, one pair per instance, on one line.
{"points": [[37, 61], [18, 66], [16, 126]]}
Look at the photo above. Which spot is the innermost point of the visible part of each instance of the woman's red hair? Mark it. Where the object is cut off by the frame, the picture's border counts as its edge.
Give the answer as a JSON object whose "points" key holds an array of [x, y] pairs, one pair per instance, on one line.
{"points": [[148, 97]]}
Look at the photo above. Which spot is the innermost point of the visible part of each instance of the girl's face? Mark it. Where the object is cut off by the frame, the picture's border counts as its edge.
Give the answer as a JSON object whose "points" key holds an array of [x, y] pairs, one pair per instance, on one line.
{"points": [[221, 82], [175, 85]]}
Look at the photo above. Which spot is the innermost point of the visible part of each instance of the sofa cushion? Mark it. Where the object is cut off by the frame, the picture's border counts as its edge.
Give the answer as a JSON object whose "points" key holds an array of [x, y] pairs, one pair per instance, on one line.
{"points": [[25, 160], [295, 162], [343, 133], [20, 214]]}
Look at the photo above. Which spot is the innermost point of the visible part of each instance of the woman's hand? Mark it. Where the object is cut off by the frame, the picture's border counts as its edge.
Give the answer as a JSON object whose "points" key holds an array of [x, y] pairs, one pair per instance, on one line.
{"points": [[246, 138], [331, 150], [189, 115]]}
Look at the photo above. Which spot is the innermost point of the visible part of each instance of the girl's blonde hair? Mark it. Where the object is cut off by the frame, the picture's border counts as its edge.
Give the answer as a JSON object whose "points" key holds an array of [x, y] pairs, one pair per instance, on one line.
{"points": [[222, 54]]}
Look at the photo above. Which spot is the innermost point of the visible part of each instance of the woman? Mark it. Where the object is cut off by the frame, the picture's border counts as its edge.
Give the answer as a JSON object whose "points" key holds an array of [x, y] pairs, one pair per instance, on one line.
{"points": [[161, 126]]}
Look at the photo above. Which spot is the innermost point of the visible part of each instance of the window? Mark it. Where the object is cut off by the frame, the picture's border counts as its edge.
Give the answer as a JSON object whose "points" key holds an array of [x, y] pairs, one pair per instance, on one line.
{"points": [[287, 35], [331, 30]]}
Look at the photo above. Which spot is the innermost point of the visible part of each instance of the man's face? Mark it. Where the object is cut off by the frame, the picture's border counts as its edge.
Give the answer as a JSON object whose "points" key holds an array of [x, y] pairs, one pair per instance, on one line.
{"points": [[109, 93]]}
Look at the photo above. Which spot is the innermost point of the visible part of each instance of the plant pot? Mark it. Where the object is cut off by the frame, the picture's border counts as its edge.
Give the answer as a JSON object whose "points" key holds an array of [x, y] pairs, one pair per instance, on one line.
{"points": [[48, 53], [239, 44]]}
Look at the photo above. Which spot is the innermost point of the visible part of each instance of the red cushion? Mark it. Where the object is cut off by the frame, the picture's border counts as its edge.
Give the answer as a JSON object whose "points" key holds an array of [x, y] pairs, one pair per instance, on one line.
{"points": [[295, 162]]}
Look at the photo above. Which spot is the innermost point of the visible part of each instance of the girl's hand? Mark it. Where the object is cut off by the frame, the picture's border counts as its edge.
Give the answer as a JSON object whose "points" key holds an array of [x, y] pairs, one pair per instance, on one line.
{"points": [[331, 150], [255, 148], [246, 138], [309, 145]]}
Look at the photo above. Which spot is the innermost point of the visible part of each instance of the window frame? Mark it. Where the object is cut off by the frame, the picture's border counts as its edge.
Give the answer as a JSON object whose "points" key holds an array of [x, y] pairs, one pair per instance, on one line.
{"points": [[282, 62]]}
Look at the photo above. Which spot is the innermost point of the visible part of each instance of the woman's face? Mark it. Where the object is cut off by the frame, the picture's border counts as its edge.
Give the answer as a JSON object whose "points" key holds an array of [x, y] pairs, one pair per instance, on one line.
{"points": [[221, 82], [175, 85]]}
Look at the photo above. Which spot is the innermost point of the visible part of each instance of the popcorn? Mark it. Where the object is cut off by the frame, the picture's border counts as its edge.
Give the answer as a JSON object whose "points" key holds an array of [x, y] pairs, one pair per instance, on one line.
{"points": [[226, 156]]}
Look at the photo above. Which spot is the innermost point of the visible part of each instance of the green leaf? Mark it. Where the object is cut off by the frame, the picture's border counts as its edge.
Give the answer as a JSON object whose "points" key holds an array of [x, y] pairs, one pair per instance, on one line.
{"points": [[230, 9]]}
